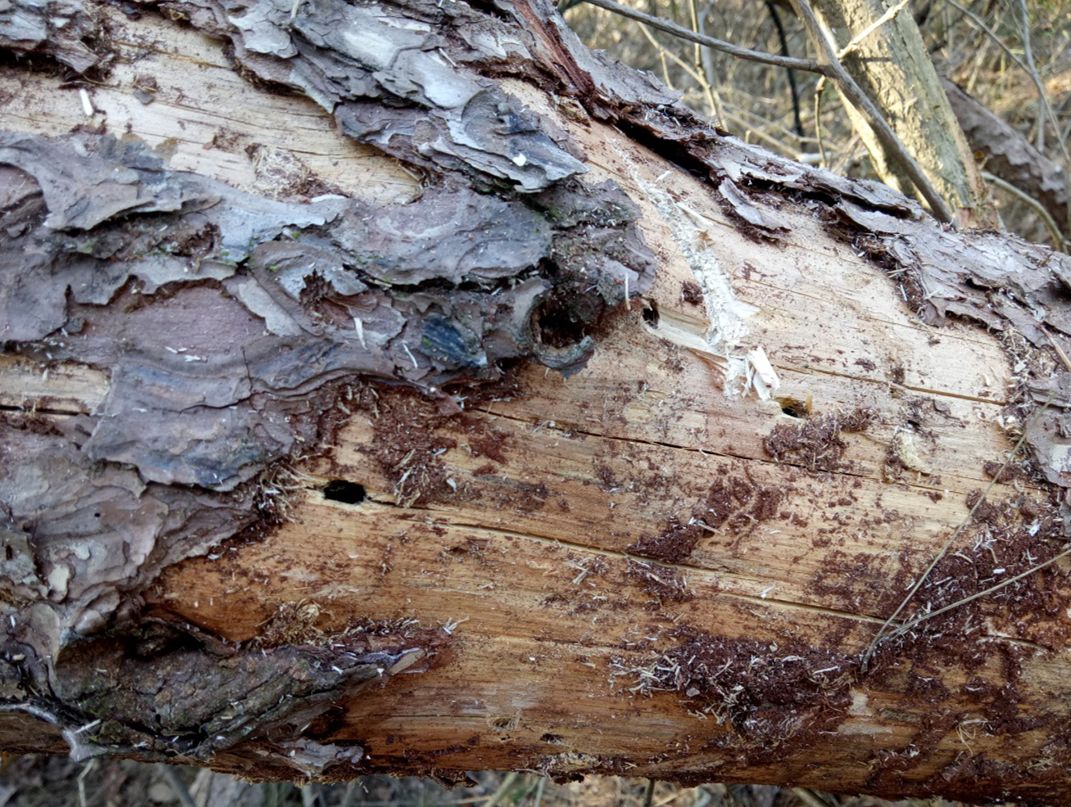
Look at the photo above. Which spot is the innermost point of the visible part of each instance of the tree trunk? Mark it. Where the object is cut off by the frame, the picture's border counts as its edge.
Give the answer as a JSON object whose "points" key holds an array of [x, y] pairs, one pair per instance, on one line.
{"points": [[406, 388], [890, 62]]}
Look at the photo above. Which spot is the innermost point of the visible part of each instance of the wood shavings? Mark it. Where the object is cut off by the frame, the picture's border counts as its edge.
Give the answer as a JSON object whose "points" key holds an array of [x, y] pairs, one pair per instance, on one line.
{"points": [[763, 378], [905, 450]]}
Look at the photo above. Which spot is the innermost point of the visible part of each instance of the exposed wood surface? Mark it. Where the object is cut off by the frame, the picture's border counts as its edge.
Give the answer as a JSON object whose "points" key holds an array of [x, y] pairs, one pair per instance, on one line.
{"points": [[524, 555], [195, 118]]}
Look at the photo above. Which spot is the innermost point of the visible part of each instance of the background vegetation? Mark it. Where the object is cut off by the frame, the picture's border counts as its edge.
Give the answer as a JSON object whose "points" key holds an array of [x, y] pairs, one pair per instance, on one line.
{"points": [[999, 51], [38, 781]]}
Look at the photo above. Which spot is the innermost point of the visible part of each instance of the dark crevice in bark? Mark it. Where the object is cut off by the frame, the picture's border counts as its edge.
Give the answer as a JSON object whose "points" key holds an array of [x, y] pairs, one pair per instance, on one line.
{"points": [[165, 690]]}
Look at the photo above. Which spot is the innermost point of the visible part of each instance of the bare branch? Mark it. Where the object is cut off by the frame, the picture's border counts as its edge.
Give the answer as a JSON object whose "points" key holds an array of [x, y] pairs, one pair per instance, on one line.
{"points": [[831, 68], [793, 89], [1058, 240], [1034, 77], [670, 27]]}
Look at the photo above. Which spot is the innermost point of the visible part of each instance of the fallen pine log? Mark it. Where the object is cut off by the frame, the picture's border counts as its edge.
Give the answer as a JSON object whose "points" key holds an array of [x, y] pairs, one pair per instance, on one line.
{"points": [[408, 389]]}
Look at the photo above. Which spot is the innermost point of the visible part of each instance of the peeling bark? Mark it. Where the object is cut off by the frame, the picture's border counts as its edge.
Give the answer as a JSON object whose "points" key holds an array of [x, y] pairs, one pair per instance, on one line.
{"points": [[162, 691], [61, 29], [229, 324], [239, 336], [311, 295]]}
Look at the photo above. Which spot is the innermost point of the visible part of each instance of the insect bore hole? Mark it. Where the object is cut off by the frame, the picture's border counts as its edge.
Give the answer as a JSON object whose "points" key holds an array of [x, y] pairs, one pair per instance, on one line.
{"points": [[650, 314], [340, 490], [794, 407]]}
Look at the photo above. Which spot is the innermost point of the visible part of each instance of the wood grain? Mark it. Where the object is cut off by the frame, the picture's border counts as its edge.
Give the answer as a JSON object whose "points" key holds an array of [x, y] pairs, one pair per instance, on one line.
{"points": [[524, 552]]}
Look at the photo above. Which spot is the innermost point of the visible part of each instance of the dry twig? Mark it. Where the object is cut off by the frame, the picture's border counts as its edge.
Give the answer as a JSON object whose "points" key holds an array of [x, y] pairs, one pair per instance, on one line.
{"points": [[1058, 239], [880, 635], [859, 99], [808, 65], [829, 66]]}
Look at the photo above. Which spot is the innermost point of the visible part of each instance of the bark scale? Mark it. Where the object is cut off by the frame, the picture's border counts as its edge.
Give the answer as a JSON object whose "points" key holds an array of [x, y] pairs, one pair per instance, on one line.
{"points": [[1009, 155]]}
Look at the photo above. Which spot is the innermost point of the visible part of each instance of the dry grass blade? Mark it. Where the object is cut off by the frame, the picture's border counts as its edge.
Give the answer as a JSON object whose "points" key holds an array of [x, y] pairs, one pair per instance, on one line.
{"points": [[808, 797], [178, 787], [502, 790], [1028, 56], [907, 627], [538, 800]]}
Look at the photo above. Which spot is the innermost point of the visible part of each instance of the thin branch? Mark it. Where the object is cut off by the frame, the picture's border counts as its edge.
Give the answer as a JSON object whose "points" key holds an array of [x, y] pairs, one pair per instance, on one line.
{"points": [[1034, 77], [793, 89], [664, 53], [661, 58], [819, 88], [1058, 240], [539, 792], [861, 101], [697, 51], [670, 27], [704, 65]]}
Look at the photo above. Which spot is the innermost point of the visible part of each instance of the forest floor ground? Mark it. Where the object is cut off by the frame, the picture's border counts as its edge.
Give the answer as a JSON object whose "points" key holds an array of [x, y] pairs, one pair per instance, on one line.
{"points": [[43, 781]]}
